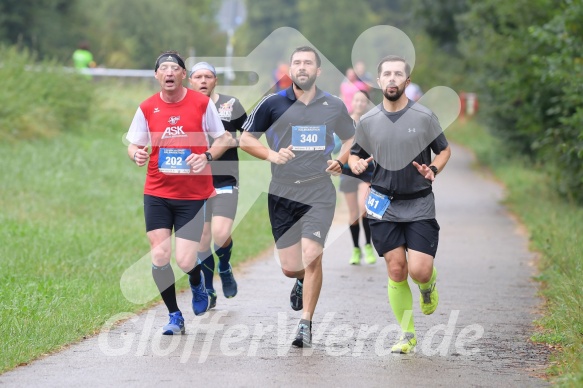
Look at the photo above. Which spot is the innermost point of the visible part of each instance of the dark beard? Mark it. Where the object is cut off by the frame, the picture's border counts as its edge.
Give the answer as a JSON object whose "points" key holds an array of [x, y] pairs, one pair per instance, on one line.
{"points": [[394, 97], [306, 85]]}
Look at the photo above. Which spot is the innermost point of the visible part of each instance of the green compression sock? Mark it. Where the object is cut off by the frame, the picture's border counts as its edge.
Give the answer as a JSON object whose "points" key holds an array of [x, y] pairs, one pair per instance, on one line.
{"points": [[401, 301]]}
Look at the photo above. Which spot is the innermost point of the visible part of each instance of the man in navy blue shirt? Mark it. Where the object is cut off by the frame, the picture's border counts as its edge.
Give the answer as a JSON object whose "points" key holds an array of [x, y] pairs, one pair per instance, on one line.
{"points": [[299, 124]]}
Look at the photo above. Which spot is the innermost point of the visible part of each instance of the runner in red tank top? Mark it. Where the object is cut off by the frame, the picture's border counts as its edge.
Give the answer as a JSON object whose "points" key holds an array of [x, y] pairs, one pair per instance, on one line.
{"points": [[174, 125]]}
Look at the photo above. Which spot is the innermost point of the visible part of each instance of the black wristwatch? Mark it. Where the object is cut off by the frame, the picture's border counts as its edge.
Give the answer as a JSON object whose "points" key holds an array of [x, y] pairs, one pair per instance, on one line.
{"points": [[209, 156], [434, 169]]}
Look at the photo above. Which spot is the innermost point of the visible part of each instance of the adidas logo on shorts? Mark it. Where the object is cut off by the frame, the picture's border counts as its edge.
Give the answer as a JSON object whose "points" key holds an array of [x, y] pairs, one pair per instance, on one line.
{"points": [[317, 234]]}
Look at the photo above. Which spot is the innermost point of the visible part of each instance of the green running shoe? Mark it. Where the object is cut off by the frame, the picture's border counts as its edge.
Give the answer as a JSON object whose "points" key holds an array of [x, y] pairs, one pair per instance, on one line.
{"points": [[428, 300], [369, 255], [406, 344], [355, 259]]}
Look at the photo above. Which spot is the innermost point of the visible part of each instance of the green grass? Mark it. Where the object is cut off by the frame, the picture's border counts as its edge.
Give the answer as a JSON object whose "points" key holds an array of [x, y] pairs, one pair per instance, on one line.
{"points": [[39, 100], [556, 231], [72, 222]]}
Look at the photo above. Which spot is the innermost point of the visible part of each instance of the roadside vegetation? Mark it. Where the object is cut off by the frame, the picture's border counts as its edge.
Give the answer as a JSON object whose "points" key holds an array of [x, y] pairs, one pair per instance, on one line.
{"points": [[555, 230], [72, 217]]}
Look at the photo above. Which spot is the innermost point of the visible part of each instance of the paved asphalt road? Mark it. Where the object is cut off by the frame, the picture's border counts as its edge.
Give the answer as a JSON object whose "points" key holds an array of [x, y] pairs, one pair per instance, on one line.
{"points": [[478, 337]]}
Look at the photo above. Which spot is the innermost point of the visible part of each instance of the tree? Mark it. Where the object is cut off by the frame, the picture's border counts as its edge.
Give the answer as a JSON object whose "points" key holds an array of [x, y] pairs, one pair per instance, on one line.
{"points": [[264, 17], [438, 20], [334, 28], [132, 33], [558, 61], [37, 25], [527, 65]]}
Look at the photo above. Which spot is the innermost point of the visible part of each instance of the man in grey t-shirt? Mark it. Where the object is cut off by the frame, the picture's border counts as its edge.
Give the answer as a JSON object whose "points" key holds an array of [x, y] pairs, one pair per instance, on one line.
{"points": [[400, 135]]}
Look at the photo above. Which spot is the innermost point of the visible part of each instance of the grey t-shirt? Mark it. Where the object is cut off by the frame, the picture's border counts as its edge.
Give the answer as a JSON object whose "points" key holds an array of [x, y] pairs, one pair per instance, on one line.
{"points": [[395, 140]]}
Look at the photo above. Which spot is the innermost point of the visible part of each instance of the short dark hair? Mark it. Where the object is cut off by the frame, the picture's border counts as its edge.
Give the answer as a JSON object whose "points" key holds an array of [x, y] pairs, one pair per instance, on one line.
{"points": [[394, 58], [308, 49]]}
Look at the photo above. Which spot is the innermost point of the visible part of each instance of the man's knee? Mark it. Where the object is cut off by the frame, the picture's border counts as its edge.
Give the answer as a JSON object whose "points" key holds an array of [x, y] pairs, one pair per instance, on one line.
{"points": [[186, 262], [397, 264], [420, 267], [312, 255], [222, 230], [222, 236], [292, 274], [160, 255]]}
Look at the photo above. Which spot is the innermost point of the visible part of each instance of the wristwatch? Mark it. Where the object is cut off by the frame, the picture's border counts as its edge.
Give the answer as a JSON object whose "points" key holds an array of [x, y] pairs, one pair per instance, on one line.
{"points": [[434, 169], [209, 156]]}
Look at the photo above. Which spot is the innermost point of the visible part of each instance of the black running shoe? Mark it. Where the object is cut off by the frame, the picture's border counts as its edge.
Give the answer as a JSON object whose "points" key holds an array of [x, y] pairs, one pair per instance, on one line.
{"points": [[304, 336], [229, 283], [213, 295], [296, 299]]}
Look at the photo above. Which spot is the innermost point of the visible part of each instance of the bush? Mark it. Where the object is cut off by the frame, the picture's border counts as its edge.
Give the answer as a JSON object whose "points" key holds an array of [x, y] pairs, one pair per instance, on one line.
{"points": [[40, 99], [528, 64], [562, 67]]}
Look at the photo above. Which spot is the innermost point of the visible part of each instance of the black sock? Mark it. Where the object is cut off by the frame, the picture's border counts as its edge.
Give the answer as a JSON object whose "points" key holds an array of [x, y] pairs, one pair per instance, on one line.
{"points": [[194, 276], [366, 228], [224, 256], [164, 279], [208, 267], [355, 232]]}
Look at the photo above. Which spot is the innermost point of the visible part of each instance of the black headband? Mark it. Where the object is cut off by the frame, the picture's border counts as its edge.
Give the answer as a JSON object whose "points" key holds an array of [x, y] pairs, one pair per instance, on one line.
{"points": [[169, 58]]}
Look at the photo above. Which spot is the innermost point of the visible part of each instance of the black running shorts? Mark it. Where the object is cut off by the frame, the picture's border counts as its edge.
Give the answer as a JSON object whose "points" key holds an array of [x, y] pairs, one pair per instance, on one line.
{"points": [[186, 217], [223, 204], [422, 236], [301, 211]]}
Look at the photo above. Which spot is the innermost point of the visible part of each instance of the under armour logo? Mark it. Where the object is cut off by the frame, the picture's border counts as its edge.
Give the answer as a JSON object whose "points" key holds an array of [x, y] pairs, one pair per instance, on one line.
{"points": [[317, 234], [411, 130]]}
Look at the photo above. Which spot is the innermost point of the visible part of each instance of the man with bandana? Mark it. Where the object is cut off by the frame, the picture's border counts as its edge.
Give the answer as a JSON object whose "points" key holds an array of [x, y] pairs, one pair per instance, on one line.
{"points": [[299, 124], [222, 208], [174, 124], [401, 135]]}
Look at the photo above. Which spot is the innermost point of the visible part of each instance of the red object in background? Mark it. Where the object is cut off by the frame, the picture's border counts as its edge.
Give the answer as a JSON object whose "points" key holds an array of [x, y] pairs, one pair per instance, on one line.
{"points": [[469, 104], [282, 78]]}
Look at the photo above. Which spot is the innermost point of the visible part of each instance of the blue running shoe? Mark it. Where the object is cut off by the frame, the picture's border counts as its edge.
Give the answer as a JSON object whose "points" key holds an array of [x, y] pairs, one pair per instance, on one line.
{"points": [[200, 297], [229, 283], [176, 324], [296, 299], [213, 295]]}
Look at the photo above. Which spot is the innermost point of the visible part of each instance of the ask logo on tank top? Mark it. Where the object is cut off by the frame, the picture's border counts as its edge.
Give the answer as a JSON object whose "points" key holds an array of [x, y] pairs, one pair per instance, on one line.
{"points": [[174, 130]]}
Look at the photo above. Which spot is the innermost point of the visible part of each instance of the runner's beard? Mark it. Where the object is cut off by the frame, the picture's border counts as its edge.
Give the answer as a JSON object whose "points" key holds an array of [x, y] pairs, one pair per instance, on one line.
{"points": [[396, 96], [305, 85]]}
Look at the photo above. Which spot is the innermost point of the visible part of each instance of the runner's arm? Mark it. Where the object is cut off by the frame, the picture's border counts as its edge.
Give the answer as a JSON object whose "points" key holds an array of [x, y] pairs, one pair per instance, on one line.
{"points": [[138, 136], [138, 154]]}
